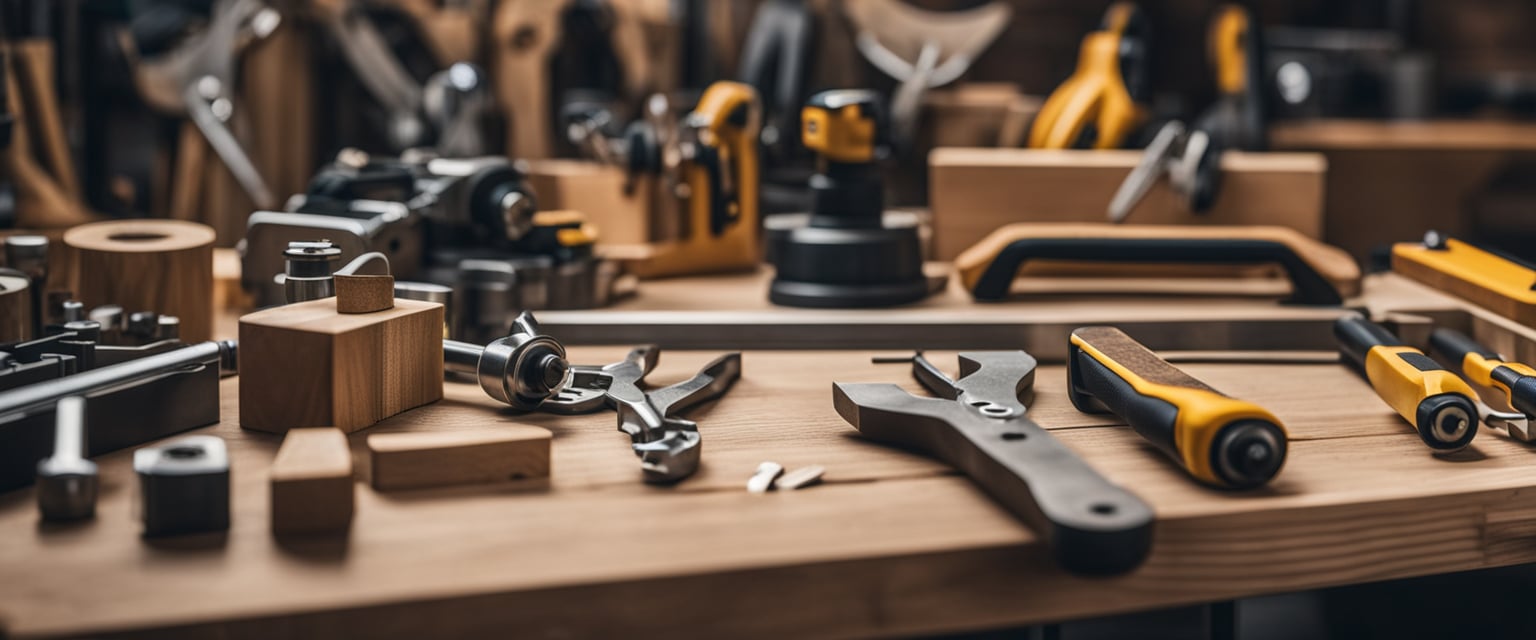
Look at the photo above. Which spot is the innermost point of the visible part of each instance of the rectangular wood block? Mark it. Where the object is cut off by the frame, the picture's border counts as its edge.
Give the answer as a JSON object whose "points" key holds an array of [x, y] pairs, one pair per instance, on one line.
{"points": [[305, 365], [596, 190], [312, 482], [417, 460], [974, 191]]}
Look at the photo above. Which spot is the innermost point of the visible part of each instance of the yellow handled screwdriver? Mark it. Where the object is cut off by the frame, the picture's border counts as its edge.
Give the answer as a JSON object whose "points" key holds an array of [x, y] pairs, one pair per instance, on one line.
{"points": [[1486, 368], [1219, 440], [1437, 402]]}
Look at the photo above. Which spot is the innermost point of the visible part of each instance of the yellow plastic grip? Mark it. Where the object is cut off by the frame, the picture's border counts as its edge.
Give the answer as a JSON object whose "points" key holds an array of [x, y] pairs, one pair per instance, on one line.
{"points": [[1201, 413], [1404, 386]]}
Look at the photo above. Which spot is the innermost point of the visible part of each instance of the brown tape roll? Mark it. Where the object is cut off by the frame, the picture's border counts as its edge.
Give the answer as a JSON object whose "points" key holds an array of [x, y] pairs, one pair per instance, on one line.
{"points": [[165, 266], [15, 307]]}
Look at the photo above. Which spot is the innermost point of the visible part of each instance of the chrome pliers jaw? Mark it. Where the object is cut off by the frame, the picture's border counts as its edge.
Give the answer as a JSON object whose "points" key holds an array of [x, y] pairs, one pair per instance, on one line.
{"points": [[668, 446]]}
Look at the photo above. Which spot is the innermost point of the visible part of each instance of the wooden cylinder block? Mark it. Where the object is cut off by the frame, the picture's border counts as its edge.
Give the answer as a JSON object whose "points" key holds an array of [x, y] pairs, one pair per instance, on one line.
{"points": [[165, 266], [15, 307]]}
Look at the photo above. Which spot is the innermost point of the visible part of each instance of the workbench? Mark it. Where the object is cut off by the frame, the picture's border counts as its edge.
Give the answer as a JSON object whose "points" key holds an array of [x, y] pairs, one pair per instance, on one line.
{"points": [[892, 543]]}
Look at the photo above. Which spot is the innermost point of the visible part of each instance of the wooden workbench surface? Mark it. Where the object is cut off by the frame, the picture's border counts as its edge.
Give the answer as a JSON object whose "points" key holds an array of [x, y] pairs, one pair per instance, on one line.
{"points": [[893, 543]]}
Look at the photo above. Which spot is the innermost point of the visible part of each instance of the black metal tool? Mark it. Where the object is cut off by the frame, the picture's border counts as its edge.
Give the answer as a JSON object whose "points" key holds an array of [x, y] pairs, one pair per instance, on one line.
{"points": [[184, 486], [977, 424], [133, 394], [668, 446]]}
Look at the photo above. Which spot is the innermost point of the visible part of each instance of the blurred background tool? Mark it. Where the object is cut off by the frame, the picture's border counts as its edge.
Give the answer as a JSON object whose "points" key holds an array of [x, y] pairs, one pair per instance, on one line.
{"points": [[1103, 102], [977, 424], [1438, 404], [847, 254], [1219, 440], [198, 79], [706, 167], [1191, 158], [922, 50]]}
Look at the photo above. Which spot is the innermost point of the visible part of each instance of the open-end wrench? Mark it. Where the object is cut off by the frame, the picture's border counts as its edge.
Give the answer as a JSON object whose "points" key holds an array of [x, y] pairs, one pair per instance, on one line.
{"points": [[977, 424]]}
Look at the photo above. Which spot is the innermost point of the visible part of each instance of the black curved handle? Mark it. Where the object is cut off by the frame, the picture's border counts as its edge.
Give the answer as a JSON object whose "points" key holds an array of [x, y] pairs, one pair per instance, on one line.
{"points": [[1307, 285]]}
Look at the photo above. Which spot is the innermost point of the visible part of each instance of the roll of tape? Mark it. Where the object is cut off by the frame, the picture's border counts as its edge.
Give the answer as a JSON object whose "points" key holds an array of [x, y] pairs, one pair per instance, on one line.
{"points": [[165, 266]]}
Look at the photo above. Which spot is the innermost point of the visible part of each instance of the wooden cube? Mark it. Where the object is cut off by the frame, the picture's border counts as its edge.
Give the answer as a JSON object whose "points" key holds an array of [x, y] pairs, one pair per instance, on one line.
{"points": [[312, 482], [422, 459], [306, 365]]}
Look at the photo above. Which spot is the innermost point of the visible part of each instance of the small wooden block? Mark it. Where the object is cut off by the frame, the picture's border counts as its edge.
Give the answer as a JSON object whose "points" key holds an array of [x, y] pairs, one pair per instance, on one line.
{"points": [[364, 293], [307, 365], [439, 458], [312, 482]]}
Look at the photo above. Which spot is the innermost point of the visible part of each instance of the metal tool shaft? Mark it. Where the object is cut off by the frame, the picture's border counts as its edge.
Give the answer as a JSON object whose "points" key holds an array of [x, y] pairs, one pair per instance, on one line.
{"points": [[462, 357], [32, 399]]}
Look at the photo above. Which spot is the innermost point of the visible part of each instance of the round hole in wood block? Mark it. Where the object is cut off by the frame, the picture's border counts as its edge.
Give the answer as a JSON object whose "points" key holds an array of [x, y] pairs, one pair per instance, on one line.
{"points": [[137, 236]]}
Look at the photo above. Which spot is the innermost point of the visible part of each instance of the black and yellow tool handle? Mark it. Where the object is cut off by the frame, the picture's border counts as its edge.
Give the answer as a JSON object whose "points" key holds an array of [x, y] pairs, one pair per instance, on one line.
{"points": [[1486, 368], [1319, 274], [1219, 440], [1436, 401]]}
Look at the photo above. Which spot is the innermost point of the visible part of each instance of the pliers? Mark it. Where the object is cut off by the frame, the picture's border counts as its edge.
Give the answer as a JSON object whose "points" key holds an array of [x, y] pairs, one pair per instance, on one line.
{"points": [[668, 446]]}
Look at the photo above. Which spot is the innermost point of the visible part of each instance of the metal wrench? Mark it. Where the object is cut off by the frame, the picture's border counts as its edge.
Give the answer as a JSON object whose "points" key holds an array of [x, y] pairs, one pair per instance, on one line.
{"points": [[977, 424]]}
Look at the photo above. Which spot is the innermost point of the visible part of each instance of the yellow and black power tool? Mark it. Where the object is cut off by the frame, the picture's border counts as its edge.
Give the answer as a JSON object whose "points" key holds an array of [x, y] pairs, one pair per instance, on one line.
{"points": [[1102, 103], [1219, 440], [847, 253], [719, 149], [706, 164], [1437, 402]]}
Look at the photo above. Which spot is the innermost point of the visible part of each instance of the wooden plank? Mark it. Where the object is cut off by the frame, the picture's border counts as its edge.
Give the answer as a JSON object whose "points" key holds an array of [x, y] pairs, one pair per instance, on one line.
{"points": [[733, 312], [892, 544], [1405, 135], [975, 191], [416, 460], [312, 482]]}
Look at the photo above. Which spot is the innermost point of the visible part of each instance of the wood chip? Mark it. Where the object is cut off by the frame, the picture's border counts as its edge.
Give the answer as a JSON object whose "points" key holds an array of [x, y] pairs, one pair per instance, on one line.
{"points": [[801, 478]]}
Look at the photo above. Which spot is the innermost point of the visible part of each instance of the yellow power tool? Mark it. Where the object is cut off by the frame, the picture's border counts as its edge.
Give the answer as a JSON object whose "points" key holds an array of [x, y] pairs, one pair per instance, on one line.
{"points": [[1101, 103], [1219, 440], [719, 166], [1437, 402]]}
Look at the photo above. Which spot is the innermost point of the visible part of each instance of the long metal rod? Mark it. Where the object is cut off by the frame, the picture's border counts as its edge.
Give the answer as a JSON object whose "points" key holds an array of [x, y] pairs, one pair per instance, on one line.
{"points": [[462, 357], [36, 398]]}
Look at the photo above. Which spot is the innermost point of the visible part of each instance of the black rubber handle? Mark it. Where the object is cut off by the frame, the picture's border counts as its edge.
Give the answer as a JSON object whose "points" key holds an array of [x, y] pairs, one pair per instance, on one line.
{"points": [[1453, 346], [1307, 285], [1357, 336]]}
